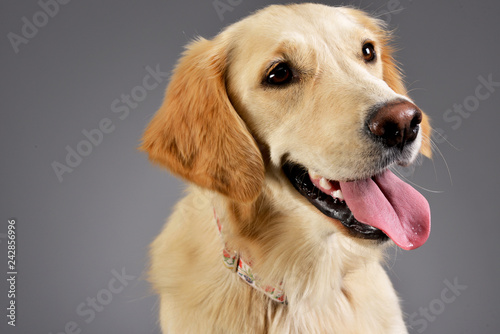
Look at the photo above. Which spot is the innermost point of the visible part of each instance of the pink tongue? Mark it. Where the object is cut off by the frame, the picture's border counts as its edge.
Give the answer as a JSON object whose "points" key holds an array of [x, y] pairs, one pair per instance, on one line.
{"points": [[391, 205]]}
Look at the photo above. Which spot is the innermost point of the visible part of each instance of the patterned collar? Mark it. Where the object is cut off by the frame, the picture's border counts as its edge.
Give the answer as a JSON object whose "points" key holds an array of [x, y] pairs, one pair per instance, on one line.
{"points": [[233, 261]]}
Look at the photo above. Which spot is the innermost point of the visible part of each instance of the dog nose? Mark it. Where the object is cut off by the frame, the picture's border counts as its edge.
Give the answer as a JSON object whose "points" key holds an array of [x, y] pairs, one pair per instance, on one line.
{"points": [[396, 123]]}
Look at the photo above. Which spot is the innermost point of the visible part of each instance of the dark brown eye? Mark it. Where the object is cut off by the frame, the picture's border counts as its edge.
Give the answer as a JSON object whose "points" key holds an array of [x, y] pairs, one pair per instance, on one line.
{"points": [[281, 74], [369, 52]]}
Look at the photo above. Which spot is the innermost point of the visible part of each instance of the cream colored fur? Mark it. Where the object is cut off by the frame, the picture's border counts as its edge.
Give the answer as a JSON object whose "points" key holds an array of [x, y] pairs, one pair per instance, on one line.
{"points": [[221, 129]]}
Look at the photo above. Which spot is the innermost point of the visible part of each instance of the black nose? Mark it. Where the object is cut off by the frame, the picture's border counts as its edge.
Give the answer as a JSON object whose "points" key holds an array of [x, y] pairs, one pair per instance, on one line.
{"points": [[396, 123]]}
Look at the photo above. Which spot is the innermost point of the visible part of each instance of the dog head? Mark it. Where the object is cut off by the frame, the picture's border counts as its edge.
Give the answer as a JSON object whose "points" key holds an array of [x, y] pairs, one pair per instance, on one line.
{"points": [[306, 94]]}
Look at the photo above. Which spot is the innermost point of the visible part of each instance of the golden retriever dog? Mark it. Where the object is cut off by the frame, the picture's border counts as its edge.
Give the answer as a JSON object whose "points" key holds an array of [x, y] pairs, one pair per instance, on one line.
{"points": [[286, 126]]}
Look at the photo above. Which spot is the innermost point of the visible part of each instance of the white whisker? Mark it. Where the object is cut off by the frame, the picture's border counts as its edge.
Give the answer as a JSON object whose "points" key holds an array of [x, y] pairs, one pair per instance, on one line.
{"points": [[436, 148], [414, 184]]}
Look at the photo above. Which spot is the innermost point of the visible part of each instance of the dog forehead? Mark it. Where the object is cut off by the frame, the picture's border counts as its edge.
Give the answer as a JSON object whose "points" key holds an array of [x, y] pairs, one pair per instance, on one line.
{"points": [[301, 29], [302, 15], [301, 22]]}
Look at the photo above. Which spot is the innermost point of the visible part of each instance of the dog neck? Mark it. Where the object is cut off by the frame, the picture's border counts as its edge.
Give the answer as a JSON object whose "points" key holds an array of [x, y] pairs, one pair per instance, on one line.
{"points": [[288, 251], [234, 261]]}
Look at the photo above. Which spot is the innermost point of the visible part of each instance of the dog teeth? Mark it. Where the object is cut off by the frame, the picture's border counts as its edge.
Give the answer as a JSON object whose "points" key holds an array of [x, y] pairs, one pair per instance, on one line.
{"points": [[324, 183], [338, 194]]}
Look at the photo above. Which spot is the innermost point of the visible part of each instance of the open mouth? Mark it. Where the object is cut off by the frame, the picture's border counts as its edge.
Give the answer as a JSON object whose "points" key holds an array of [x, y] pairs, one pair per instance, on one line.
{"points": [[327, 197], [377, 208]]}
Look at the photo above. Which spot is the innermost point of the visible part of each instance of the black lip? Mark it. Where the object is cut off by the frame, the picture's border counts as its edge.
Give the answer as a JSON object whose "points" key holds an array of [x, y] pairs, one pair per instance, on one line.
{"points": [[328, 205]]}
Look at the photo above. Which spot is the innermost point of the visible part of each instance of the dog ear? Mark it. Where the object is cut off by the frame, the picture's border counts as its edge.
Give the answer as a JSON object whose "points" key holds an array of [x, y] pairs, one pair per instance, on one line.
{"points": [[392, 76], [198, 135], [425, 126]]}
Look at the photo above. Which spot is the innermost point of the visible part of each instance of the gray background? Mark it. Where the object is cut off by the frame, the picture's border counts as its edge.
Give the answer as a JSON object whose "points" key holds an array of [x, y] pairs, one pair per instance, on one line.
{"points": [[103, 215]]}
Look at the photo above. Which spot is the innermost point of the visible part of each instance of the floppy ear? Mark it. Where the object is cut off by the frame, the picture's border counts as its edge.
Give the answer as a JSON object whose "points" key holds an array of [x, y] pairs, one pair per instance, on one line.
{"points": [[198, 135], [393, 78]]}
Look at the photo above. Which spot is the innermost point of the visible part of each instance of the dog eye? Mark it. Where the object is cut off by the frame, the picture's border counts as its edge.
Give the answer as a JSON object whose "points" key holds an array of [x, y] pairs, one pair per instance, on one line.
{"points": [[368, 52], [281, 74]]}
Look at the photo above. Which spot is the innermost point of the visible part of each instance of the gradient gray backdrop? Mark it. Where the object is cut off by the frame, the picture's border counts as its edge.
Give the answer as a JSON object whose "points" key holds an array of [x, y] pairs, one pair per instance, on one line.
{"points": [[72, 235]]}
